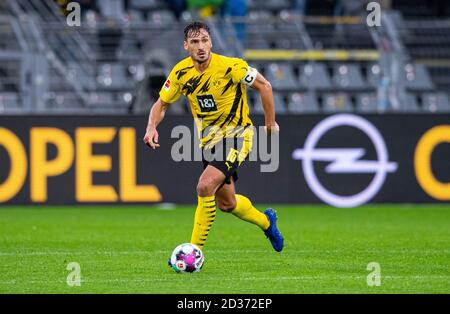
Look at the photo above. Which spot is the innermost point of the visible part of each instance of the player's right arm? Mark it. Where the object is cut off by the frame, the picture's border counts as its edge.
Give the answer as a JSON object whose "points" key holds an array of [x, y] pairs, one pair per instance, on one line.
{"points": [[249, 76], [264, 88], [169, 93], [154, 118]]}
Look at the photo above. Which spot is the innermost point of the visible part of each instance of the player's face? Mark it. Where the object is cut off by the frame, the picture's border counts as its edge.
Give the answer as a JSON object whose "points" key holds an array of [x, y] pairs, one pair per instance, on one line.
{"points": [[199, 45]]}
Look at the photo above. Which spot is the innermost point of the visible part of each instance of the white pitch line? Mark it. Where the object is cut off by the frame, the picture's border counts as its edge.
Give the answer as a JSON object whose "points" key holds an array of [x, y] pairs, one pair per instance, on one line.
{"points": [[313, 252], [75, 253], [214, 279]]}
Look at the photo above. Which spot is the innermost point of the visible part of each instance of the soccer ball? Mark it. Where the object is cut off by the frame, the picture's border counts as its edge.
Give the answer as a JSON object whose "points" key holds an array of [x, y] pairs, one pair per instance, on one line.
{"points": [[187, 258]]}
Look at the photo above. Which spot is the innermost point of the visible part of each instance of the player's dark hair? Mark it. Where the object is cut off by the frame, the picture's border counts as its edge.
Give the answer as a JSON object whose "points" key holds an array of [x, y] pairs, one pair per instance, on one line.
{"points": [[194, 28]]}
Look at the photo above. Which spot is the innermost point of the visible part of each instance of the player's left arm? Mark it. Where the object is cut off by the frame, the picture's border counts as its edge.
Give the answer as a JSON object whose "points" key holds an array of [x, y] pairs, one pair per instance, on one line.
{"points": [[264, 89]]}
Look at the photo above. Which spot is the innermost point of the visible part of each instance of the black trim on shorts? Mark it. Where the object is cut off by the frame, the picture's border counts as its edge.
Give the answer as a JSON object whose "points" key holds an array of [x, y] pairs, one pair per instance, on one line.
{"points": [[228, 168], [224, 169]]}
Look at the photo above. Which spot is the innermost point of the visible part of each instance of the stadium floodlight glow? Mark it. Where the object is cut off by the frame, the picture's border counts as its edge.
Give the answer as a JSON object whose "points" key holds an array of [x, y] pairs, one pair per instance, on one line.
{"points": [[345, 160]]}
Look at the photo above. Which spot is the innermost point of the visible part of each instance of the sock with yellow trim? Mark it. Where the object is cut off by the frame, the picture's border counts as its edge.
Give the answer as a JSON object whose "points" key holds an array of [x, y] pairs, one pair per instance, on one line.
{"points": [[246, 211], [203, 220]]}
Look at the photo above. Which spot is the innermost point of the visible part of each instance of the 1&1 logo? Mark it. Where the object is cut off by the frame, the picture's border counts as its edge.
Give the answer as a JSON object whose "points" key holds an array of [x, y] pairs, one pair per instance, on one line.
{"points": [[345, 160]]}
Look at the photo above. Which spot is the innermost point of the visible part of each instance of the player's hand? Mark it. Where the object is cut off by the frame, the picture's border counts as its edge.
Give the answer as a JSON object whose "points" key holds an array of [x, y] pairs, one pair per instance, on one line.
{"points": [[151, 137], [272, 128]]}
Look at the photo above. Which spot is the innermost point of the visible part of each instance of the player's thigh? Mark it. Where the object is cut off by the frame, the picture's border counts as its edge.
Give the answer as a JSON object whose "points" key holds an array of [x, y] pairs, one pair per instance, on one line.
{"points": [[209, 181], [226, 197]]}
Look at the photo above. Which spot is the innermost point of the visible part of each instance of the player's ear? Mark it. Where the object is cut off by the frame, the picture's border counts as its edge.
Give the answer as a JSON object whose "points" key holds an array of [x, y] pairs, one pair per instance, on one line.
{"points": [[185, 45]]}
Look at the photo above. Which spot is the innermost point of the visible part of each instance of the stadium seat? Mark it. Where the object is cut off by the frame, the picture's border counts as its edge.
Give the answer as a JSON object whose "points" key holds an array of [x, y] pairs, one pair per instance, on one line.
{"points": [[417, 77], [109, 110], [135, 16], [303, 103], [100, 98], [407, 103], [81, 72], [251, 97], [348, 76], [260, 67], [373, 75], [113, 75], [178, 107], [435, 102], [286, 21], [280, 106], [129, 47], [257, 42], [336, 102], [161, 18], [288, 42], [255, 4], [110, 101], [259, 22], [366, 103], [278, 101], [276, 5], [315, 76], [281, 76], [146, 4], [9, 103]]}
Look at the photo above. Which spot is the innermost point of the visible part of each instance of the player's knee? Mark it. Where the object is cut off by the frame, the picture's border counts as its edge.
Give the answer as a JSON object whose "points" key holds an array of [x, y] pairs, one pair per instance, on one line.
{"points": [[226, 205], [205, 188]]}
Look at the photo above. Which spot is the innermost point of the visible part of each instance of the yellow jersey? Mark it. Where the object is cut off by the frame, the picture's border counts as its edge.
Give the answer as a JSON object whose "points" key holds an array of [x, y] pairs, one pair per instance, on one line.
{"points": [[217, 96]]}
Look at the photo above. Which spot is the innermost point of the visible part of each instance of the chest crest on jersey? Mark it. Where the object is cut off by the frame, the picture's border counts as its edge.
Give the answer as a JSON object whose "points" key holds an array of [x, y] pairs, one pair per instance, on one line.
{"points": [[216, 82]]}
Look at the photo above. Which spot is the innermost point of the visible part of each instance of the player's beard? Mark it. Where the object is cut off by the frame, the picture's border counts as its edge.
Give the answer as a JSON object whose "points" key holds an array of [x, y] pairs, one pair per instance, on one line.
{"points": [[202, 59]]}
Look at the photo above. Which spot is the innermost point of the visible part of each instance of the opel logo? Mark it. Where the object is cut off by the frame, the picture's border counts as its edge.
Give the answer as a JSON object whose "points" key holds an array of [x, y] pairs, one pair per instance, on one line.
{"points": [[345, 160]]}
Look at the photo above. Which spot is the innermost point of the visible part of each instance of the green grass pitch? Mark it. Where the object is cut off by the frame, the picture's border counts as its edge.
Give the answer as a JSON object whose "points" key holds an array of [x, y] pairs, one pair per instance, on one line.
{"points": [[125, 250]]}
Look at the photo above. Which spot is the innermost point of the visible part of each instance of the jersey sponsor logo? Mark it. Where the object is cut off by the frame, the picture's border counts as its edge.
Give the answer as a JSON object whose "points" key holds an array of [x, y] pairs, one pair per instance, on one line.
{"points": [[345, 160], [206, 103], [167, 85]]}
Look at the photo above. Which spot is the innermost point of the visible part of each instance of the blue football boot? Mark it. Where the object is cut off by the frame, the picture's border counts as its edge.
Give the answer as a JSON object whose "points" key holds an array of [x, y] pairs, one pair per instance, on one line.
{"points": [[272, 233]]}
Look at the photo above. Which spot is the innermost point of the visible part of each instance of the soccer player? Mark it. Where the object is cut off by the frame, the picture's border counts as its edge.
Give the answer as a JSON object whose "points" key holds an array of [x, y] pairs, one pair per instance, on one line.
{"points": [[215, 86]]}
